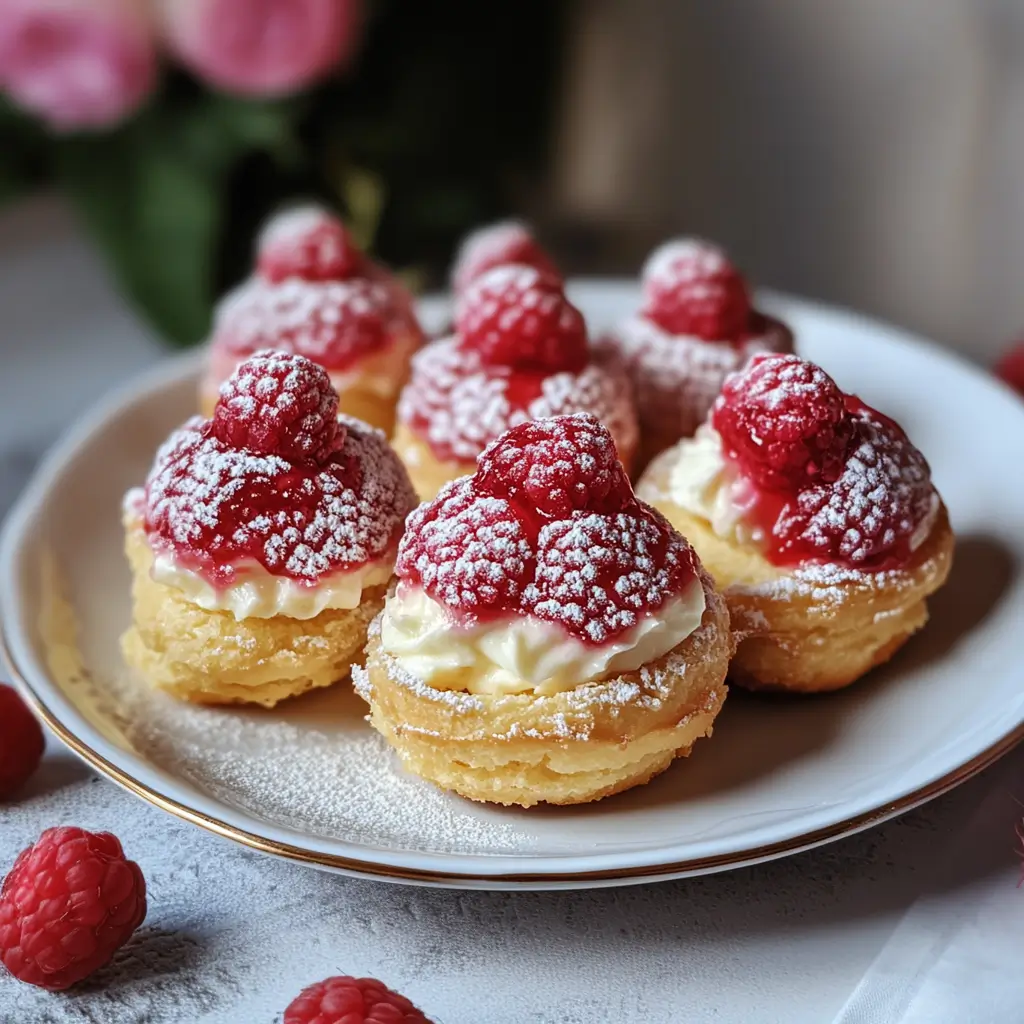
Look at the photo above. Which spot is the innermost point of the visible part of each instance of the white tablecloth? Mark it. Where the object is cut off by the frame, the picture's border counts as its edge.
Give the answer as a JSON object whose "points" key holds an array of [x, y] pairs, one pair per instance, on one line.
{"points": [[231, 935]]}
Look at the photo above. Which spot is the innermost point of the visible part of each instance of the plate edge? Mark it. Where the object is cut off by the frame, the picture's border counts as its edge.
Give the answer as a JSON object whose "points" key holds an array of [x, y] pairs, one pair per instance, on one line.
{"points": [[580, 879]]}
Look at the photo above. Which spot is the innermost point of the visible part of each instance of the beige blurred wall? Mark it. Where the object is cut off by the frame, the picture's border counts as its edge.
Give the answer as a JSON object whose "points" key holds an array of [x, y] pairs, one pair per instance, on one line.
{"points": [[866, 152]]}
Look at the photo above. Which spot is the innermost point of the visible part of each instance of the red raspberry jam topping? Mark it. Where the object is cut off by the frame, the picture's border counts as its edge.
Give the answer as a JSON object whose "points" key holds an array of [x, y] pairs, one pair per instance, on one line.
{"points": [[856, 492], [468, 549], [784, 419], [593, 564], [691, 288], [458, 405], [334, 323], [508, 241], [308, 243], [259, 483], [277, 404], [598, 574], [518, 317]]}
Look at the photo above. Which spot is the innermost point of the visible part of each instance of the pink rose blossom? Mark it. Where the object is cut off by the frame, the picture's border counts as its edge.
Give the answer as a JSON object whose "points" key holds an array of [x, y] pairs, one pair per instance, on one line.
{"points": [[77, 63], [261, 47]]}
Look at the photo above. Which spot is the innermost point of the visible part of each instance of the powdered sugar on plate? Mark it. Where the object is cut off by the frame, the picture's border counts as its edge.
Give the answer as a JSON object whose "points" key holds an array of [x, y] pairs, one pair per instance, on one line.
{"points": [[314, 766]]}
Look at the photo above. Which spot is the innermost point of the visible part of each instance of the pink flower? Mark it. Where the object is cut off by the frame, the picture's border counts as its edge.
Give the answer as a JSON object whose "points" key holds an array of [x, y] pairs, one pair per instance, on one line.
{"points": [[77, 63], [261, 47]]}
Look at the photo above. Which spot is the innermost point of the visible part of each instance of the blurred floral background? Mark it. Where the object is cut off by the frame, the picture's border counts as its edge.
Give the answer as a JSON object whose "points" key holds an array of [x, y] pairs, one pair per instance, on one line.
{"points": [[863, 152], [175, 126]]}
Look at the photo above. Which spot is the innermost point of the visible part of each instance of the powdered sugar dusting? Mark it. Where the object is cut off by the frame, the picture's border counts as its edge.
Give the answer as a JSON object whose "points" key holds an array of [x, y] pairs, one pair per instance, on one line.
{"points": [[826, 584], [877, 505], [293, 225], [469, 549], [594, 574], [320, 770], [677, 378], [597, 575], [216, 505], [694, 258], [507, 241], [459, 406], [331, 322]]}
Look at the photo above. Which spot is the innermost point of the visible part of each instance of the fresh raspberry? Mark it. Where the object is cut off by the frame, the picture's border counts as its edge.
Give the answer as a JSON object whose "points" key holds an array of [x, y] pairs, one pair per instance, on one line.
{"points": [[335, 324], [68, 905], [691, 288], [784, 421], [21, 742], [1010, 368], [467, 550], [345, 1000], [279, 404], [496, 245], [556, 465], [597, 574], [866, 518], [518, 317], [308, 243]]}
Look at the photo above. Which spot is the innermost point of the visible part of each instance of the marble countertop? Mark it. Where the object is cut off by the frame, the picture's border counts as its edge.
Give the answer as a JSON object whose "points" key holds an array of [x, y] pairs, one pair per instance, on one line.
{"points": [[232, 936]]}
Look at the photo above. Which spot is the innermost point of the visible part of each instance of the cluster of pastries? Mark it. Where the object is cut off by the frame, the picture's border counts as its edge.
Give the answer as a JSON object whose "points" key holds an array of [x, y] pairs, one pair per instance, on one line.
{"points": [[525, 623]]}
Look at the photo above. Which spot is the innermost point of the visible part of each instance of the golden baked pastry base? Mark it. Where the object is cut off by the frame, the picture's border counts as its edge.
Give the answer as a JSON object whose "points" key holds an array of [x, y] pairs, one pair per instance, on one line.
{"points": [[568, 748], [210, 657], [427, 472], [809, 630]]}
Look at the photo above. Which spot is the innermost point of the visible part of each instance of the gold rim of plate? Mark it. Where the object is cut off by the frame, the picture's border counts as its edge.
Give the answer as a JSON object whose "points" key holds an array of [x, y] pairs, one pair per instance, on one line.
{"points": [[369, 869]]}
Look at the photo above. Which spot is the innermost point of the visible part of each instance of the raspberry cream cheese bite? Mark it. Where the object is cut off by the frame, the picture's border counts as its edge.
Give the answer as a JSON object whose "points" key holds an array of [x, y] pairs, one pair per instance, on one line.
{"points": [[263, 542], [696, 325], [551, 638], [519, 353], [818, 519], [315, 294], [496, 245]]}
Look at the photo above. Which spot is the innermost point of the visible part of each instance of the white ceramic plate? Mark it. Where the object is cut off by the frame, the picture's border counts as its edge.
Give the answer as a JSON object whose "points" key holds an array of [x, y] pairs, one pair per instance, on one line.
{"points": [[310, 781]]}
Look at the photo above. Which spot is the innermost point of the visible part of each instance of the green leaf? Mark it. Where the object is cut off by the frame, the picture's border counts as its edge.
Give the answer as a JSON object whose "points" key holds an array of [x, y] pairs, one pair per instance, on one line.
{"points": [[156, 215], [153, 193], [267, 125]]}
